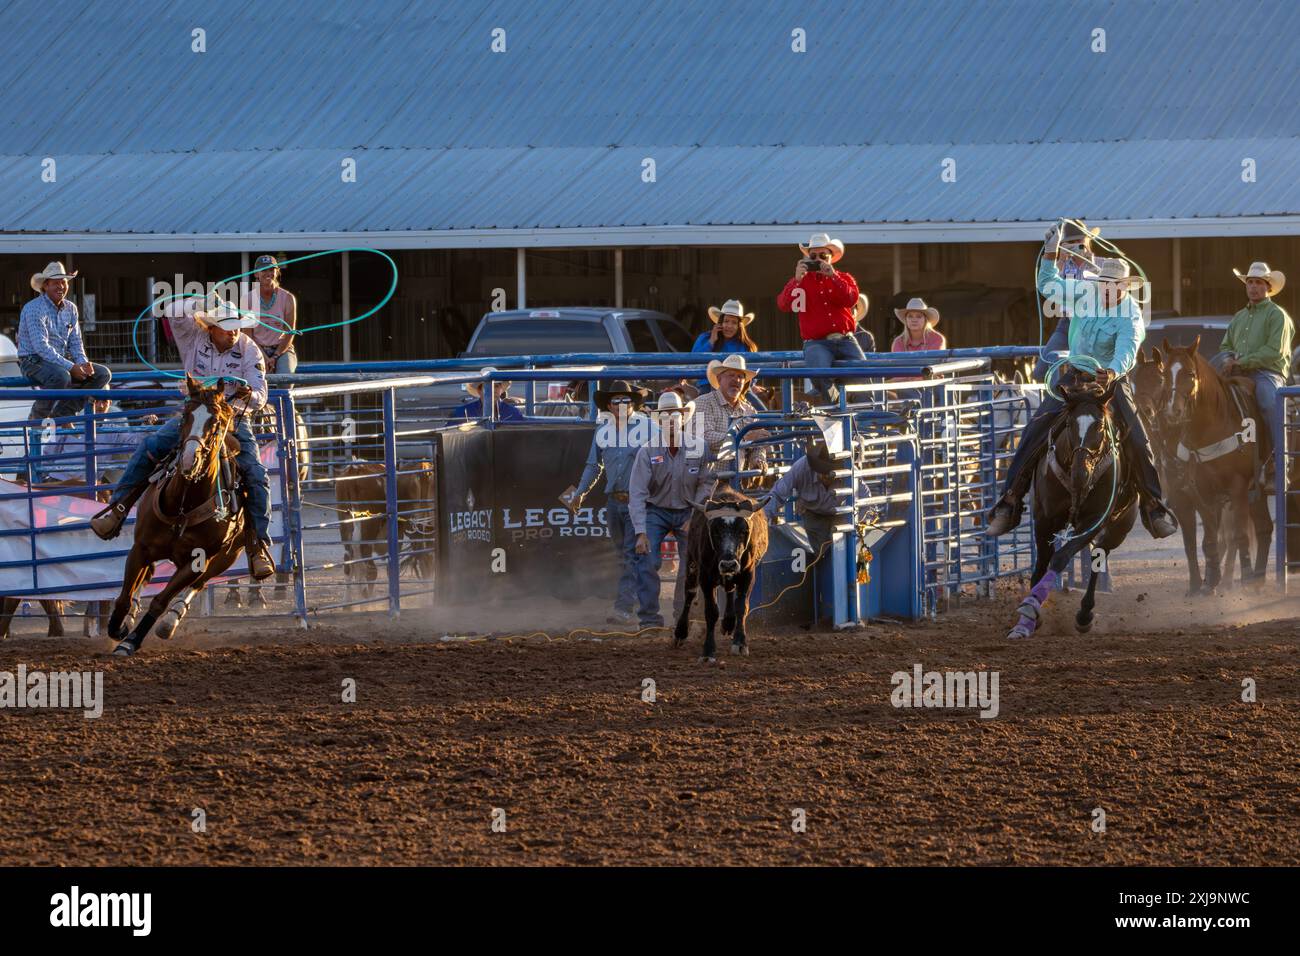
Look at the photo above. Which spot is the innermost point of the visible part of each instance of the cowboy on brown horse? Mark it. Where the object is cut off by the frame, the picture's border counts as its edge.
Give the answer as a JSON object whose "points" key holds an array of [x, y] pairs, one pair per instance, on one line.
{"points": [[213, 347]]}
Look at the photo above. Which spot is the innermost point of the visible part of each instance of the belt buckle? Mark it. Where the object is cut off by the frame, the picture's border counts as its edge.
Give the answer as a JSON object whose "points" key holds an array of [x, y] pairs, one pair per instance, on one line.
{"points": [[836, 335]]}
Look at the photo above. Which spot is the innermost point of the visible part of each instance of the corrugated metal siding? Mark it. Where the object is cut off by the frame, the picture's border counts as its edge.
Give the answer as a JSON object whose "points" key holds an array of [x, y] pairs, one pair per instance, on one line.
{"points": [[150, 137]]}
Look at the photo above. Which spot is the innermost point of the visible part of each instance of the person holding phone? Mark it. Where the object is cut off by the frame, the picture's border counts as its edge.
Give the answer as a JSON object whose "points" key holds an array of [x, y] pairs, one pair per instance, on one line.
{"points": [[824, 300]]}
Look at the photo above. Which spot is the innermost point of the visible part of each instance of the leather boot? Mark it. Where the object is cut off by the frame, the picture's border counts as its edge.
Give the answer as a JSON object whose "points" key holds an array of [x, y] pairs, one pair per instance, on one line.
{"points": [[260, 564], [108, 523]]}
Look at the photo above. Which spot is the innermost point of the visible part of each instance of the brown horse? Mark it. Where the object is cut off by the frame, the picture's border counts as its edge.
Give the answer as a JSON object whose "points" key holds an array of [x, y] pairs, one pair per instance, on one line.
{"points": [[1151, 396], [1219, 436], [185, 518]]}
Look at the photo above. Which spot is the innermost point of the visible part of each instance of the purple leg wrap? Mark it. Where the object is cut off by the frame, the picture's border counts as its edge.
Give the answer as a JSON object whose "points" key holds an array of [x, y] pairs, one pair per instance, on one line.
{"points": [[1042, 589]]}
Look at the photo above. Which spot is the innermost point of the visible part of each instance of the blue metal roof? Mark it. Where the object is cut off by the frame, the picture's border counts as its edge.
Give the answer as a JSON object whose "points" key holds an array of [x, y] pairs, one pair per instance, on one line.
{"points": [[248, 137]]}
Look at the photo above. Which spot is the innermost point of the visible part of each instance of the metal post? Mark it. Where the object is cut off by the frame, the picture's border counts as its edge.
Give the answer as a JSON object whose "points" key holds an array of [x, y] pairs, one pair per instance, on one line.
{"points": [[618, 278], [898, 268], [390, 496], [1280, 493], [291, 502], [347, 314], [1178, 275], [521, 280], [88, 443]]}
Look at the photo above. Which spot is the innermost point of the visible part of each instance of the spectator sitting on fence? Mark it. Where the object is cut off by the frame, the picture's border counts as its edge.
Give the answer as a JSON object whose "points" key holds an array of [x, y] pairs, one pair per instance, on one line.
{"points": [[718, 411], [613, 450], [866, 341], [213, 346], [50, 350], [824, 301], [506, 410], [918, 333], [277, 314], [729, 334]]}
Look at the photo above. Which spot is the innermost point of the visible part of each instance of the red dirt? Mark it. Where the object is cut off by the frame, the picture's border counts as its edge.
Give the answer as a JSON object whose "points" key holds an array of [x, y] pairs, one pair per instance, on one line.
{"points": [[1143, 718]]}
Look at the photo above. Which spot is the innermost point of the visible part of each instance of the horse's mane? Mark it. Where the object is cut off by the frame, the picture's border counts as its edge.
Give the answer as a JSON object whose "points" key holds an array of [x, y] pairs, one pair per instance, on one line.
{"points": [[1213, 387]]}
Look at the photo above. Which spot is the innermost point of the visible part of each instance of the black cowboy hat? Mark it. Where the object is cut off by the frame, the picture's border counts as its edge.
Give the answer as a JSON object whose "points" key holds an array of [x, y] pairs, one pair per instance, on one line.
{"points": [[620, 387], [819, 457]]}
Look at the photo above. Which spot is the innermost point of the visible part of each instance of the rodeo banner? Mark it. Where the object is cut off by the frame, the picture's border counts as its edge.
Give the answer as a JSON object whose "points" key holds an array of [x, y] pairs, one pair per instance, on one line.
{"points": [[498, 503]]}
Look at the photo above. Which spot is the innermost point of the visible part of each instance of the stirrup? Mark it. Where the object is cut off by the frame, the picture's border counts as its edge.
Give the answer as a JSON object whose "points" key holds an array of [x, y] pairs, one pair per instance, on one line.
{"points": [[107, 524]]}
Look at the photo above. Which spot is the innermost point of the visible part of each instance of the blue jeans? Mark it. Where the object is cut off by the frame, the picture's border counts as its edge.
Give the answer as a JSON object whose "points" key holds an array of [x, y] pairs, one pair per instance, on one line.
{"points": [[624, 538], [658, 523], [45, 374], [822, 353], [1058, 341], [286, 364], [257, 483]]}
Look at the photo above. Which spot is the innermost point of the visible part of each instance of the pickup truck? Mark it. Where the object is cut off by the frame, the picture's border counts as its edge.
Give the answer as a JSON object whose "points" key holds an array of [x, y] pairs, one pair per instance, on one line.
{"points": [[559, 331]]}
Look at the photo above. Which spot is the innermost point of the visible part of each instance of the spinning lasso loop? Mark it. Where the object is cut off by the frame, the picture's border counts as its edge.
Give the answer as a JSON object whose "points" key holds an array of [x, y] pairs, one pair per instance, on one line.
{"points": [[278, 327]]}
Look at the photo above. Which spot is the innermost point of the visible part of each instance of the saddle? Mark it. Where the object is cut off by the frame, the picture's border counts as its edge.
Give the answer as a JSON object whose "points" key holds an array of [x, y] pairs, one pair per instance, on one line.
{"points": [[1242, 390], [223, 506]]}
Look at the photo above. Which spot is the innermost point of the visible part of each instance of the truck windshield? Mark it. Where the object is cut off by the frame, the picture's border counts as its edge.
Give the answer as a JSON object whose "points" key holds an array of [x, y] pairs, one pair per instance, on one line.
{"points": [[540, 337]]}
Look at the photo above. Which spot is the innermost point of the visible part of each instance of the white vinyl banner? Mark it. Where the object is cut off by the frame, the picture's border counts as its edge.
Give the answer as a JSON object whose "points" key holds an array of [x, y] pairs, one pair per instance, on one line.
{"points": [[74, 564]]}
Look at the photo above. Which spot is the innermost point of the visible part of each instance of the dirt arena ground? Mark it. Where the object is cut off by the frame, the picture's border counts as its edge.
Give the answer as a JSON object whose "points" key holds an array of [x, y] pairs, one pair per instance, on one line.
{"points": [[1142, 718]]}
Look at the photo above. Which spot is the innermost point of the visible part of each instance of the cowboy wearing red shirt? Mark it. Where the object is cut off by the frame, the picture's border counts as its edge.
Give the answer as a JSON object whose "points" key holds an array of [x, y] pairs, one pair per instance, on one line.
{"points": [[824, 301]]}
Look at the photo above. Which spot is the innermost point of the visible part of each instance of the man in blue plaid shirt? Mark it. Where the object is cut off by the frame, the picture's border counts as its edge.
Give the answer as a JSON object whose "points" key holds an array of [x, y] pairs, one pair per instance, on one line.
{"points": [[50, 351]]}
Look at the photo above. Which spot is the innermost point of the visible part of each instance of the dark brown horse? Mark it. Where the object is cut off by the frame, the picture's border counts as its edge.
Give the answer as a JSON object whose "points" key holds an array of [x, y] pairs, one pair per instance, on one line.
{"points": [[1084, 494], [1220, 435], [183, 519], [1151, 396]]}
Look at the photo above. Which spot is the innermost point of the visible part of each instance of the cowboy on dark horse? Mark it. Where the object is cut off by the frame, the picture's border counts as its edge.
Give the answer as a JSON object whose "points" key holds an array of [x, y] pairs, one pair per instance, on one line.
{"points": [[212, 346], [1106, 327]]}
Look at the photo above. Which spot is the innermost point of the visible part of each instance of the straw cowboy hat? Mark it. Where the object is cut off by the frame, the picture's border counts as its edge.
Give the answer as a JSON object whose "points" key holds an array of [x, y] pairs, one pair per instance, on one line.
{"points": [[670, 401], [1260, 270], [602, 397], [860, 307], [1112, 270], [55, 270], [476, 388], [731, 307], [224, 315], [1073, 234], [821, 240], [735, 362], [918, 305]]}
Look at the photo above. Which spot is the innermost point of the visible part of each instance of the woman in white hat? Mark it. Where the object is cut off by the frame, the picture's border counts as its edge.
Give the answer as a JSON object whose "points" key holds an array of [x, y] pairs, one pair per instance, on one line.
{"points": [[50, 349], [918, 333], [506, 410], [1258, 345], [729, 334]]}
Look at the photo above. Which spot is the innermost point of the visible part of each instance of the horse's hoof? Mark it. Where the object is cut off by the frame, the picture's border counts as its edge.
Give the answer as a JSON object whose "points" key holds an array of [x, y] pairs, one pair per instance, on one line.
{"points": [[678, 642], [708, 660], [167, 625], [1081, 627], [1019, 633], [124, 649], [741, 649]]}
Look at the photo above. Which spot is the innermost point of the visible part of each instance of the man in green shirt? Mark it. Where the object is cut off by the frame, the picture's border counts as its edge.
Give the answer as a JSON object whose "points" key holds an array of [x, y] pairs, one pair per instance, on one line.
{"points": [[1258, 344]]}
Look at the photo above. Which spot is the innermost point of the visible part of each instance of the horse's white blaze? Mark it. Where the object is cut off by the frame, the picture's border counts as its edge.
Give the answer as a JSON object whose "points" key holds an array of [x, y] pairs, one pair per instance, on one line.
{"points": [[1084, 422], [1174, 369], [197, 427]]}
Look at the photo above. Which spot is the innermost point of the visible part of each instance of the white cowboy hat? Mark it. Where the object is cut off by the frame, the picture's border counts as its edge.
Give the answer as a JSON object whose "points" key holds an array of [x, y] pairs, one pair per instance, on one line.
{"points": [[1260, 270], [225, 315], [672, 402], [476, 388], [918, 305], [821, 240], [1112, 270], [860, 307], [55, 270], [735, 362], [731, 307]]}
